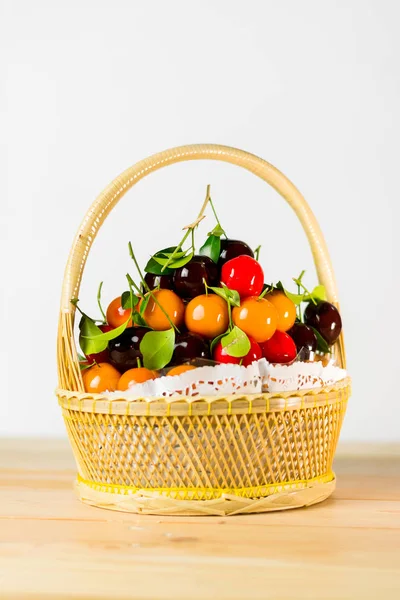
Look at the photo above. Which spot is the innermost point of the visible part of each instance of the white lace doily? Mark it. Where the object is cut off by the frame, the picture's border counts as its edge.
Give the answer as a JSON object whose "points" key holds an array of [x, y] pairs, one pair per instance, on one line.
{"points": [[221, 380]]}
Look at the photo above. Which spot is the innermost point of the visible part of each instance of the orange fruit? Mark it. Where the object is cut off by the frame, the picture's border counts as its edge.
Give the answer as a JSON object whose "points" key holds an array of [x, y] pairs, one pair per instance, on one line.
{"points": [[172, 305], [136, 375], [100, 378], [257, 317], [207, 315], [285, 308], [116, 315], [180, 369]]}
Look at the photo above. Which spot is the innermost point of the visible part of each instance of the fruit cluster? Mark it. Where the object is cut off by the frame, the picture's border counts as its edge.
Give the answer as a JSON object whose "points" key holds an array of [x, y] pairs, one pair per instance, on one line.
{"points": [[202, 308]]}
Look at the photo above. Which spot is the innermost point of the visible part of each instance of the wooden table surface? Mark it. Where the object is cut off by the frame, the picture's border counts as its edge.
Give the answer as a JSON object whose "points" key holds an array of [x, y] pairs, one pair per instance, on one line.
{"points": [[54, 547]]}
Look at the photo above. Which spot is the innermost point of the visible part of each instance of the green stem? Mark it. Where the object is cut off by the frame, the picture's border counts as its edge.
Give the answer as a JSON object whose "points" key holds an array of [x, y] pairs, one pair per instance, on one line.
{"points": [[193, 248], [133, 284], [230, 314], [139, 363], [99, 302], [298, 308], [189, 230], [301, 285], [177, 249], [267, 290], [75, 301], [146, 287], [215, 214], [257, 252]]}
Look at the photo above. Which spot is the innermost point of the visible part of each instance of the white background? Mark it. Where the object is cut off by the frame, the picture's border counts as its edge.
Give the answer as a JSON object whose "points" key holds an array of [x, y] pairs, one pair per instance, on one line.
{"points": [[90, 87]]}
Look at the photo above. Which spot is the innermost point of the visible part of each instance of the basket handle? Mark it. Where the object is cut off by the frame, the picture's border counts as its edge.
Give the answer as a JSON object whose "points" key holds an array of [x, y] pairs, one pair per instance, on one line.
{"points": [[68, 367]]}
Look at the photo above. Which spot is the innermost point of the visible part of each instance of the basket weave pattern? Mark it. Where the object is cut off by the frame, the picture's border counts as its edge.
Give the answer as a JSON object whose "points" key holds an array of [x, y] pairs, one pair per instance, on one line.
{"points": [[202, 456], [213, 455]]}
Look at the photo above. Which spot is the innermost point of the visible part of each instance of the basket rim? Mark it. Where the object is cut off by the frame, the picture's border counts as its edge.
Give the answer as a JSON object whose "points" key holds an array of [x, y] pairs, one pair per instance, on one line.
{"points": [[205, 405]]}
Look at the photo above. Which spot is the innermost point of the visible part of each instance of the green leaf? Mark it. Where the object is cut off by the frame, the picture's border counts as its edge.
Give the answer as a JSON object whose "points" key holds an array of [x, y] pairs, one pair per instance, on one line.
{"points": [[84, 367], [231, 296], [92, 340], [144, 303], [182, 261], [175, 263], [297, 299], [138, 319], [168, 250], [178, 254], [211, 248], [157, 348], [322, 345], [236, 343], [215, 341], [126, 301], [217, 231], [154, 267], [318, 294]]}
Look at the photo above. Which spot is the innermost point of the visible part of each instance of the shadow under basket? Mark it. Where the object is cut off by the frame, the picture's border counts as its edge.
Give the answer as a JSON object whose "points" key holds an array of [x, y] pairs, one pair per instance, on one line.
{"points": [[209, 456]]}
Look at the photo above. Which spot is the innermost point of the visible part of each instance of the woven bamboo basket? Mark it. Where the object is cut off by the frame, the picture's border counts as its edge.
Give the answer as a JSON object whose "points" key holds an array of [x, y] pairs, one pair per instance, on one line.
{"points": [[214, 456]]}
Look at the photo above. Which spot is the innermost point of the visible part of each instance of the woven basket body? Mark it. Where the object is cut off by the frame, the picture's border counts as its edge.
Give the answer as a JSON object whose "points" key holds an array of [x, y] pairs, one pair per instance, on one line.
{"points": [[212, 456]]}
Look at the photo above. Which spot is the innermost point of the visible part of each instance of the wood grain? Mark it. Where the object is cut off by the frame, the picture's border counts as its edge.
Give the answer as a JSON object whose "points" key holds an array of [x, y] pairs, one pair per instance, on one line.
{"points": [[52, 546]]}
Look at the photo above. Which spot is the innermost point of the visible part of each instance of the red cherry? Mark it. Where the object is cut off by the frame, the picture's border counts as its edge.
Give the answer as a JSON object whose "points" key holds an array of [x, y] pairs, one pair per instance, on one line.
{"points": [[243, 274], [220, 355], [280, 348], [100, 357], [255, 353]]}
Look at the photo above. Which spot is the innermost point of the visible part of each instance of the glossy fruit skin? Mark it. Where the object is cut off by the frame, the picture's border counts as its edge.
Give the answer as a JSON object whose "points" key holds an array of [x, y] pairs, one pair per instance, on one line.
{"points": [[162, 281], [179, 370], [305, 340], [207, 315], [325, 318], [285, 308], [220, 355], [280, 348], [116, 315], [189, 346], [255, 353], [125, 349], [171, 303], [243, 274], [100, 357], [100, 378], [134, 376], [188, 280], [233, 248], [257, 317]]}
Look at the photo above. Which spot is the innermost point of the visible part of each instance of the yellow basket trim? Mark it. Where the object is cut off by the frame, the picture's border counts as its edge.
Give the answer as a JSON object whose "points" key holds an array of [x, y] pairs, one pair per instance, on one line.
{"points": [[208, 493]]}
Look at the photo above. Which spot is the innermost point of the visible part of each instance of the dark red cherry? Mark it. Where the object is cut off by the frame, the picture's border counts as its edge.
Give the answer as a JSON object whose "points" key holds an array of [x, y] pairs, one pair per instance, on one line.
{"points": [[188, 280], [125, 349], [162, 281], [325, 318], [243, 274], [100, 357], [189, 346], [280, 348], [304, 338], [233, 248]]}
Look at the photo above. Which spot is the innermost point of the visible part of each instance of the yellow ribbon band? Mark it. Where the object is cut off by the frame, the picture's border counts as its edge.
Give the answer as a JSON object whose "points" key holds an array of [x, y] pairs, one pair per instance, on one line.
{"points": [[209, 493]]}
